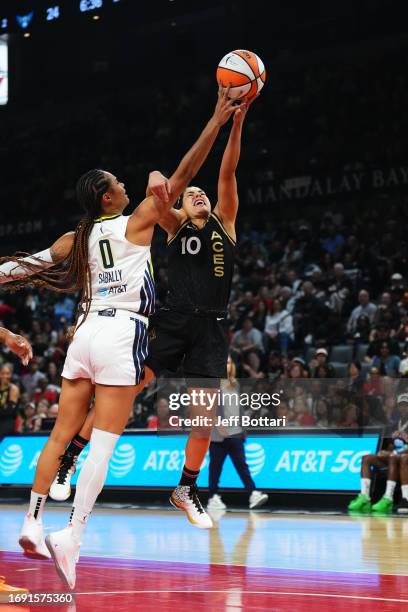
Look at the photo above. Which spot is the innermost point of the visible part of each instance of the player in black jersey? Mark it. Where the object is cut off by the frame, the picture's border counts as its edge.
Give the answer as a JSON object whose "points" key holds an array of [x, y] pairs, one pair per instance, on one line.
{"points": [[191, 329]]}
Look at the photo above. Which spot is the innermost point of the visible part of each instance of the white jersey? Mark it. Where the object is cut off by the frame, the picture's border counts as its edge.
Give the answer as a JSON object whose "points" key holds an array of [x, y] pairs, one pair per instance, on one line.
{"points": [[121, 272]]}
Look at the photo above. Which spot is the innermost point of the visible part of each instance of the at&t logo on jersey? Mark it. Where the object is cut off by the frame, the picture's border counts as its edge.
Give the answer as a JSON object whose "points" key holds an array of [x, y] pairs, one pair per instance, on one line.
{"points": [[255, 456], [11, 459]]}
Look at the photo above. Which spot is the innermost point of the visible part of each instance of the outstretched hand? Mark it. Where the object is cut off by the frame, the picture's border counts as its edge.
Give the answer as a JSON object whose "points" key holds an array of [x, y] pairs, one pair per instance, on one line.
{"points": [[225, 106], [159, 186], [242, 109], [20, 346]]}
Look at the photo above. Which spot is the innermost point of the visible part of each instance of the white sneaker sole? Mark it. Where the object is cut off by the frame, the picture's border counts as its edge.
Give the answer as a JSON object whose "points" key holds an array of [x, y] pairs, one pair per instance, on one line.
{"points": [[59, 569], [57, 497], [192, 521], [30, 549], [260, 502]]}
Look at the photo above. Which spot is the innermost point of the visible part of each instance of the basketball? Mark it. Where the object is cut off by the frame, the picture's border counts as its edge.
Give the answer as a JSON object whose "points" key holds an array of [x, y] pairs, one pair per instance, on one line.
{"points": [[244, 71]]}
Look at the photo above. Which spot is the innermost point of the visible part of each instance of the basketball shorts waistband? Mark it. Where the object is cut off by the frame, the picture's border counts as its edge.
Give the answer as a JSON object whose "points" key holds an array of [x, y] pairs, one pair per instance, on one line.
{"points": [[119, 312]]}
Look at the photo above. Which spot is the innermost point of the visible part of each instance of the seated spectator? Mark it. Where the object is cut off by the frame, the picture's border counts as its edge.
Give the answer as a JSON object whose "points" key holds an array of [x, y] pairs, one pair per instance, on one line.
{"points": [[274, 368], [304, 417], [381, 335], [41, 413], [365, 307], [386, 363], [388, 313], [339, 289], [308, 315], [349, 417], [9, 397], [362, 330], [28, 422], [297, 368], [321, 359], [48, 422], [374, 385], [31, 379], [322, 413], [44, 391], [279, 327], [247, 340], [356, 379]]}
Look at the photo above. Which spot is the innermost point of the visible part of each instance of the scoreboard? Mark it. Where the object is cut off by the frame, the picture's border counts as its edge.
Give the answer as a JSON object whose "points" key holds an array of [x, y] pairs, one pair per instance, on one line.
{"points": [[48, 11]]}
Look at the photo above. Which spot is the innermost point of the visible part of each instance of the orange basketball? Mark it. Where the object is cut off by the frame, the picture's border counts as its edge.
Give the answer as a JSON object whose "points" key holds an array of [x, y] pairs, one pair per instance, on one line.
{"points": [[244, 71]]}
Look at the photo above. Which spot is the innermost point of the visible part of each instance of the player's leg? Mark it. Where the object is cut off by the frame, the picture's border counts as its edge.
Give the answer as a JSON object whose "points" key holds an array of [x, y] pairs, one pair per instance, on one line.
{"points": [[74, 401], [185, 495], [403, 465], [206, 361], [236, 451], [218, 454], [385, 504], [362, 503], [61, 487], [112, 406]]}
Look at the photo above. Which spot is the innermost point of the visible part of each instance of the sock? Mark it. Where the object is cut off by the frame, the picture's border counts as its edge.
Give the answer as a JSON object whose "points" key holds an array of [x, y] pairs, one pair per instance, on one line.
{"points": [[77, 445], [188, 477], [365, 486], [404, 491], [37, 503], [389, 491], [91, 478]]}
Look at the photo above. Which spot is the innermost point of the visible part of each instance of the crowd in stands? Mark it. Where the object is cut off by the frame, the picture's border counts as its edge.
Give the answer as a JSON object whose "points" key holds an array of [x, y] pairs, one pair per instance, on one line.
{"points": [[299, 311]]}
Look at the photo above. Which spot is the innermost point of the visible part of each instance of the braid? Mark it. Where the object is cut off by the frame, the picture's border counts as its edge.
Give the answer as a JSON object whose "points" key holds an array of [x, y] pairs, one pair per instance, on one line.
{"points": [[73, 273]]}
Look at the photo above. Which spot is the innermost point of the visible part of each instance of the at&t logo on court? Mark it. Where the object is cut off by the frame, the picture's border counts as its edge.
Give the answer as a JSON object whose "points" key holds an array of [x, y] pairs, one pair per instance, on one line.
{"points": [[122, 461], [255, 456], [11, 459]]}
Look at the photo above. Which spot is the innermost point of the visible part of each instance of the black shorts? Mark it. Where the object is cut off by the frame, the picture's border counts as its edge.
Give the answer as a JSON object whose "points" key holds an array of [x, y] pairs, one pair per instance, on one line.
{"points": [[198, 343]]}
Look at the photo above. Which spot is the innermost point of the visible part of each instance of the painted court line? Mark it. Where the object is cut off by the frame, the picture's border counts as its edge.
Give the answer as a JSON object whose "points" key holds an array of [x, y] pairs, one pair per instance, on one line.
{"points": [[228, 591]]}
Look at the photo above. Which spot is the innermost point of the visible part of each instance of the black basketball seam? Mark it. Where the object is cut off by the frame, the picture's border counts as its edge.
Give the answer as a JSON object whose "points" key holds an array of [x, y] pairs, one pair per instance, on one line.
{"points": [[248, 64]]}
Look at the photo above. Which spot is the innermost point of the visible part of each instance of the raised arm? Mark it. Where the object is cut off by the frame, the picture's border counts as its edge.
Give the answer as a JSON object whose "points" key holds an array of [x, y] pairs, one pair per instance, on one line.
{"points": [[227, 205], [147, 214], [16, 268]]}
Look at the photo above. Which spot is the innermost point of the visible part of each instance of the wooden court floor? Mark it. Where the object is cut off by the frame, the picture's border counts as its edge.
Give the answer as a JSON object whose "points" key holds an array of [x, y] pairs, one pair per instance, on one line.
{"points": [[155, 560]]}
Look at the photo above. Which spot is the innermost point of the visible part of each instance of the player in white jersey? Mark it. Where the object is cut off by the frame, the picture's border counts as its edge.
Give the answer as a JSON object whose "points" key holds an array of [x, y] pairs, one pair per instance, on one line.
{"points": [[108, 259]]}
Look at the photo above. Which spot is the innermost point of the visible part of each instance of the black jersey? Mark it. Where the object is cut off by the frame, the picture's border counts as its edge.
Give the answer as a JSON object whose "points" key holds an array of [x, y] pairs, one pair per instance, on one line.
{"points": [[200, 266]]}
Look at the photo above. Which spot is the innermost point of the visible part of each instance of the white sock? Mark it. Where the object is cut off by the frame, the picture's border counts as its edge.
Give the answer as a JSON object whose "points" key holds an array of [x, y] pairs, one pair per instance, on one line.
{"points": [[92, 478], [37, 503], [404, 491], [365, 486], [390, 488]]}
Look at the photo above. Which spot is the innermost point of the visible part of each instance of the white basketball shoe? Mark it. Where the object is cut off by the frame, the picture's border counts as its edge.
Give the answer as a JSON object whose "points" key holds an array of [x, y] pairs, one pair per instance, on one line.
{"points": [[186, 498], [64, 550], [61, 486], [32, 538]]}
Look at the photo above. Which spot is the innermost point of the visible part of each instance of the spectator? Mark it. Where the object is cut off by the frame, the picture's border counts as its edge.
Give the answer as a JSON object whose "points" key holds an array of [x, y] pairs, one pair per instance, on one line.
{"points": [[356, 378], [386, 363], [247, 340], [309, 314], [279, 327], [365, 307], [361, 334], [31, 379], [28, 422], [320, 359], [381, 336], [9, 397], [48, 421]]}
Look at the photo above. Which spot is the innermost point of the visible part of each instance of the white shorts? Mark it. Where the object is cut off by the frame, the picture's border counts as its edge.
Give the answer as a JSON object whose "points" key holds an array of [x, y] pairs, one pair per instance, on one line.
{"points": [[110, 350]]}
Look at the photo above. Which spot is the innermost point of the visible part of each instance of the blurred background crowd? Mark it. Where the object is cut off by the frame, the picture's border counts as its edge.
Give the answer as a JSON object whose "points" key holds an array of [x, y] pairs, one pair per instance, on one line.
{"points": [[320, 288]]}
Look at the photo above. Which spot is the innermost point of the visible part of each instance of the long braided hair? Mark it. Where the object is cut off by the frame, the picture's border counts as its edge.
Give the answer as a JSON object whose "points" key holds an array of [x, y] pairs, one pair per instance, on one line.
{"points": [[73, 273]]}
